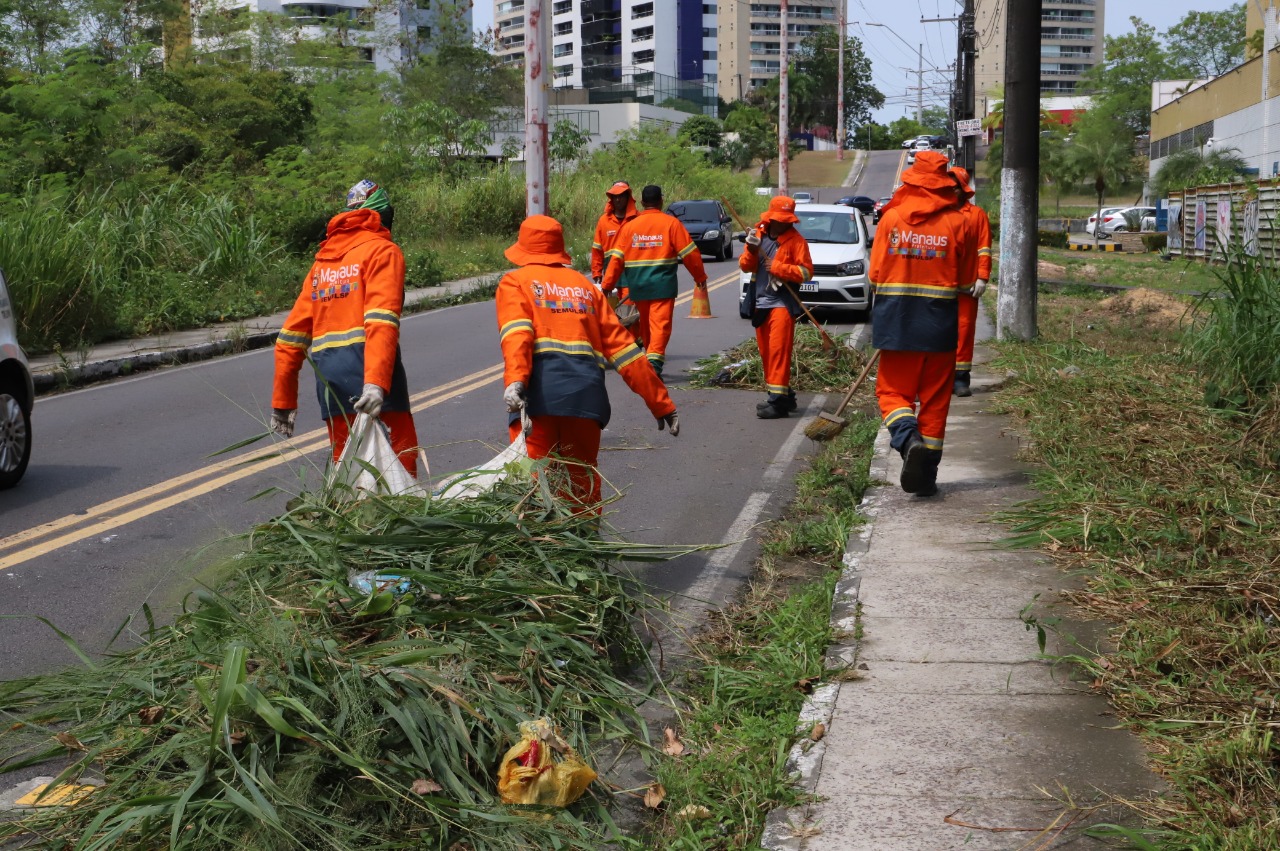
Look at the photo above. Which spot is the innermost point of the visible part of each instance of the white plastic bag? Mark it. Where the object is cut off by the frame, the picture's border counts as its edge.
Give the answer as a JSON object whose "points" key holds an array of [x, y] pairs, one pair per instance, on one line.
{"points": [[470, 483], [368, 464]]}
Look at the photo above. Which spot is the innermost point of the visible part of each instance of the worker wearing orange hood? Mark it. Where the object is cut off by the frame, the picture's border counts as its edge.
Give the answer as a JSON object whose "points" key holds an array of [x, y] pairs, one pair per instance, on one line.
{"points": [[977, 271], [619, 208], [917, 263]]}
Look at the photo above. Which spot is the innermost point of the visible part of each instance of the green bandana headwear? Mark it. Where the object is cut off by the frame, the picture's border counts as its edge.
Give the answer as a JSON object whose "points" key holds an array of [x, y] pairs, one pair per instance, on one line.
{"points": [[367, 195]]}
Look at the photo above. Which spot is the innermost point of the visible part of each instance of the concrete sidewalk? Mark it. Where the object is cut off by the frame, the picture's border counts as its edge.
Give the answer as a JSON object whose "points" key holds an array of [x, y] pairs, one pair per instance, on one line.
{"points": [[125, 357], [955, 733]]}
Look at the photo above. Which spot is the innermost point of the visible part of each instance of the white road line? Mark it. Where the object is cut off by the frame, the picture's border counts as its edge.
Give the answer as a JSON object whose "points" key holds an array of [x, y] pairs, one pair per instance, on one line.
{"points": [[739, 531]]}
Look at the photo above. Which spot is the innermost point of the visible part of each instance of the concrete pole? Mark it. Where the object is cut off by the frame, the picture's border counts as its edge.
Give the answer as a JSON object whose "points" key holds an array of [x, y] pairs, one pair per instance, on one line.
{"points": [[1020, 179], [784, 134], [840, 84], [537, 172], [919, 84], [968, 94], [1268, 44]]}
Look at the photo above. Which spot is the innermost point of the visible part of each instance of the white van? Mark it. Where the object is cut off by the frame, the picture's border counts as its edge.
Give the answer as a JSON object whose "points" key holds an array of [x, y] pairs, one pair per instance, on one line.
{"points": [[17, 396]]}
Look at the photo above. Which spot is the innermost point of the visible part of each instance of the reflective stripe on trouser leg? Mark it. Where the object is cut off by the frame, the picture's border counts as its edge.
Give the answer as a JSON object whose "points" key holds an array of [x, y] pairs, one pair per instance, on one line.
{"points": [[896, 380], [404, 436], [776, 339], [968, 309], [937, 370], [575, 440], [655, 326]]}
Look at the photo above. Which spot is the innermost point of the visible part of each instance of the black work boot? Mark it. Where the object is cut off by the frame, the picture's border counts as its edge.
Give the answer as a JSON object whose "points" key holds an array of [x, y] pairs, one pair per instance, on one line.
{"points": [[961, 385], [772, 410], [915, 474]]}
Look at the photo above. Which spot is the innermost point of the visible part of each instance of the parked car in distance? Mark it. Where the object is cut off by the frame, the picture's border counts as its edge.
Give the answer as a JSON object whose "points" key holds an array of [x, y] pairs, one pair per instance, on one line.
{"points": [[875, 213], [805, 197], [864, 204], [708, 223], [17, 396], [839, 245], [1119, 219], [910, 143], [1092, 223]]}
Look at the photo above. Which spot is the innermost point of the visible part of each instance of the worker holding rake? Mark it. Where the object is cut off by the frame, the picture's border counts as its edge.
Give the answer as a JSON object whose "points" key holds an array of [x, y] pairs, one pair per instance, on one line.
{"points": [[776, 255], [976, 273], [558, 335], [917, 260]]}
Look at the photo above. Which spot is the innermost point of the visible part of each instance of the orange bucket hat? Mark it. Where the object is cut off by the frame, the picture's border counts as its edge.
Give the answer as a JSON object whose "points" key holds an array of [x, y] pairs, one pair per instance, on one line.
{"points": [[781, 209], [541, 242], [929, 172], [962, 177], [619, 188]]}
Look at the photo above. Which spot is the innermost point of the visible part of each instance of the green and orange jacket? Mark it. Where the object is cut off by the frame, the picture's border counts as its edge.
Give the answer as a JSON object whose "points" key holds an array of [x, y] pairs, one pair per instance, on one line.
{"points": [[923, 246], [558, 336], [606, 234], [348, 318], [647, 256]]}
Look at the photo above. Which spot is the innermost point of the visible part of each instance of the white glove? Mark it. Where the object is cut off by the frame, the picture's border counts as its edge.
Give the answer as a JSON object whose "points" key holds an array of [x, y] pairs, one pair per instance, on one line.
{"points": [[514, 395], [282, 421], [370, 402], [596, 279], [753, 238], [775, 283], [671, 422], [979, 287]]}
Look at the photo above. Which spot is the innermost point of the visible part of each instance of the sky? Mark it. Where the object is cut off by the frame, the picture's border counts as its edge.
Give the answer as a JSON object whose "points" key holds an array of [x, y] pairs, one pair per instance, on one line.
{"points": [[890, 54]]}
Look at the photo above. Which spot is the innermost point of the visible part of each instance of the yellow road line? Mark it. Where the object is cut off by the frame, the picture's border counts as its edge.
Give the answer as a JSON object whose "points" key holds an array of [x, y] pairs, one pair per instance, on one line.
{"points": [[121, 511]]}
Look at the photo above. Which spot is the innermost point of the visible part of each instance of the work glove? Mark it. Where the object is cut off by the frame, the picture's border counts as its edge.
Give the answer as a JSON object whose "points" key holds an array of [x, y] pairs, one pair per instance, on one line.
{"points": [[753, 238], [596, 279], [979, 287], [671, 422], [514, 395], [282, 421], [775, 283], [370, 401]]}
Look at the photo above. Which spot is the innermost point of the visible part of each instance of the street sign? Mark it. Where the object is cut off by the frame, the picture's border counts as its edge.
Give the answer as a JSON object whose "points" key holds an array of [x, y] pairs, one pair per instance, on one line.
{"points": [[969, 127]]}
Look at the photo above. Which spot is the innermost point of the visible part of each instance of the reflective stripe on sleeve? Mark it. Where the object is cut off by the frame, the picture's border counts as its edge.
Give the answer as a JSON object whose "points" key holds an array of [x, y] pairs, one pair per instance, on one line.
{"points": [[377, 314], [515, 326], [293, 338]]}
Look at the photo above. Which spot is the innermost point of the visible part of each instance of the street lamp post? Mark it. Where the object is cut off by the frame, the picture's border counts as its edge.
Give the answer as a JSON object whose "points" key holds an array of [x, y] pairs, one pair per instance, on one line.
{"points": [[840, 85]]}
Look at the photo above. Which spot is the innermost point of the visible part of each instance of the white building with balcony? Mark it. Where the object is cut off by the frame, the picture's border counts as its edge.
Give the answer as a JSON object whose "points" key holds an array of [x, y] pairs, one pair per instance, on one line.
{"points": [[1071, 43], [385, 33]]}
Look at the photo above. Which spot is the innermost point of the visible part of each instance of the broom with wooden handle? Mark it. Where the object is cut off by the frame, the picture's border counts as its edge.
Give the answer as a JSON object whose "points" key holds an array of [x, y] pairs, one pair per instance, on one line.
{"points": [[828, 344], [827, 426]]}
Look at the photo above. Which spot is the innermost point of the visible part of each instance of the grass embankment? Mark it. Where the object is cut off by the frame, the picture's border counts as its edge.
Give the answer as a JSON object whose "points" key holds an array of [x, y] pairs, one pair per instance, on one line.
{"points": [[757, 661], [1170, 509], [816, 169], [1127, 270]]}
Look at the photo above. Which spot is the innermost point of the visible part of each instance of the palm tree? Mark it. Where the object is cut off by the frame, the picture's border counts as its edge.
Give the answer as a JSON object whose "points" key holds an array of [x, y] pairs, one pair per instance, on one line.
{"points": [[1103, 151], [1195, 167]]}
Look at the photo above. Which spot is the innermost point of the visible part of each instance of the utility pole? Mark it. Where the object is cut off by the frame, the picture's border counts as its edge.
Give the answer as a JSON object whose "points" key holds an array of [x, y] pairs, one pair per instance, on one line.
{"points": [[536, 99], [918, 88], [784, 136], [968, 93], [1020, 179], [840, 83]]}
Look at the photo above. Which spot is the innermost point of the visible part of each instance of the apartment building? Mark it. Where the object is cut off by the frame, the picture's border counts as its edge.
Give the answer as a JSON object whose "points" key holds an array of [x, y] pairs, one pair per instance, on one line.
{"points": [[1071, 42], [600, 43], [750, 39], [386, 33]]}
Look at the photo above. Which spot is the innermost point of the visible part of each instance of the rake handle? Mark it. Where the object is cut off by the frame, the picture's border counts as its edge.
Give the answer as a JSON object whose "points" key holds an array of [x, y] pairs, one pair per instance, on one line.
{"points": [[827, 342], [853, 388]]}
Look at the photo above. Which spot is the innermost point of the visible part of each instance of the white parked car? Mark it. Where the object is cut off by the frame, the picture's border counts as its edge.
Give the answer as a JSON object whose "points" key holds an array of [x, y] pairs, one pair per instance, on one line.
{"points": [[17, 396], [839, 245], [1116, 220], [804, 197]]}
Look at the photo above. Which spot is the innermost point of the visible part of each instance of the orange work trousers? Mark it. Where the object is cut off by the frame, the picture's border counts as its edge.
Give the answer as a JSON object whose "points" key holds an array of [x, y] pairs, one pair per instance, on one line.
{"points": [[904, 377], [575, 441], [776, 339], [654, 328], [968, 327], [404, 436]]}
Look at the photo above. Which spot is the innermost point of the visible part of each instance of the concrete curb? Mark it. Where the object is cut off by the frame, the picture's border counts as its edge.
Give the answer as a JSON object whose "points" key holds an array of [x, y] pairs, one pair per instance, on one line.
{"points": [[859, 165], [784, 829]]}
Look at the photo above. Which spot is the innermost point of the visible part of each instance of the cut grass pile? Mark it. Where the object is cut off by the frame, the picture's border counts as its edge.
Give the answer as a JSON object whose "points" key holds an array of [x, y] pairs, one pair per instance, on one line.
{"points": [[813, 370], [290, 712], [756, 662], [1170, 511]]}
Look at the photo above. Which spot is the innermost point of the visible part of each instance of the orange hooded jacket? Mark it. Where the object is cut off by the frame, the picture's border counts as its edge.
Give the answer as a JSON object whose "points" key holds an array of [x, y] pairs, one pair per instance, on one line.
{"points": [[606, 233], [558, 336], [977, 263], [348, 317], [647, 255]]}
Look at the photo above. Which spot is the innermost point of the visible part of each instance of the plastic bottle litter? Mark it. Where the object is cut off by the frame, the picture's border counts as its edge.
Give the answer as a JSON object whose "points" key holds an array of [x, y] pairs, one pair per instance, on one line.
{"points": [[371, 582]]}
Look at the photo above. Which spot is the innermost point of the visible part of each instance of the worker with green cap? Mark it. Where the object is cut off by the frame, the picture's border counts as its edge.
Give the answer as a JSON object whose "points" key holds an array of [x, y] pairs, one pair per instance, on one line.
{"points": [[347, 318]]}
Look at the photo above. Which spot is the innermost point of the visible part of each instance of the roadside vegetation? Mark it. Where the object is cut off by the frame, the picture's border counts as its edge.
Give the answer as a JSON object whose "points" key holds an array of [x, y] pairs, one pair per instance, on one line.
{"points": [[814, 369], [1158, 431]]}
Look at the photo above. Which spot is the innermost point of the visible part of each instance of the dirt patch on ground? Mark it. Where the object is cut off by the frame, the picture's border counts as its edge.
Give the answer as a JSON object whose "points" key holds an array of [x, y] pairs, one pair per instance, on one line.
{"points": [[1050, 271], [1149, 307]]}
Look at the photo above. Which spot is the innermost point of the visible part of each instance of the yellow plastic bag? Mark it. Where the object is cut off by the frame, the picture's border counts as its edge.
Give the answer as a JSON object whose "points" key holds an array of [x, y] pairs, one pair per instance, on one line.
{"points": [[529, 774]]}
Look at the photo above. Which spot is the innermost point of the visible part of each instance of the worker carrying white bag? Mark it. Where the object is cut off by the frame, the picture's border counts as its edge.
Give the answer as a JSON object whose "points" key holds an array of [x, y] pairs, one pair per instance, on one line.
{"points": [[368, 464]]}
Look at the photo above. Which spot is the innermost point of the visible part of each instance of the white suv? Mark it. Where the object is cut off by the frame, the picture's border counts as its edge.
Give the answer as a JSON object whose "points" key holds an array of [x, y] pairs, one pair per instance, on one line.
{"points": [[17, 396]]}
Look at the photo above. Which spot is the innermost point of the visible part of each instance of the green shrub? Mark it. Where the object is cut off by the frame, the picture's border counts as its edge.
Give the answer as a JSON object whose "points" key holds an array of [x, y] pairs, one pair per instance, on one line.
{"points": [[1052, 238], [1156, 241], [1236, 344]]}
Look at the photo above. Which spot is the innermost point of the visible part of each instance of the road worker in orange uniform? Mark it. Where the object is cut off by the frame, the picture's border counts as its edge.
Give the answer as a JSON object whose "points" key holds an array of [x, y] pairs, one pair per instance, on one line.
{"points": [[976, 273], [558, 335], [645, 260], [348, 318], [776, 252], [917, 261], [619, 208]]}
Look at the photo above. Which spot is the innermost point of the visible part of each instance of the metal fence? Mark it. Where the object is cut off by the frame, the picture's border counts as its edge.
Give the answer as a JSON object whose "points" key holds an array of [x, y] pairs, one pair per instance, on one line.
{"points": [[1211, 222]]}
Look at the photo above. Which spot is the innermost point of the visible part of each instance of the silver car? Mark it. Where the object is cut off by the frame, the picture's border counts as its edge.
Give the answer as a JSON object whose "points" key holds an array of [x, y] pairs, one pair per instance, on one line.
{"points": [[17, 396]]}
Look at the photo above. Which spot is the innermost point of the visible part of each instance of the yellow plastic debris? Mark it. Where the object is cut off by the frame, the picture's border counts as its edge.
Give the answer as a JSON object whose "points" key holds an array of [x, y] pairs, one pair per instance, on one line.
{"points": [[61, 796], [528, 773]]}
